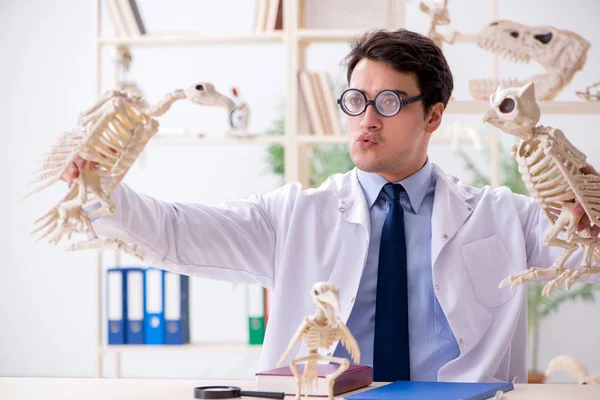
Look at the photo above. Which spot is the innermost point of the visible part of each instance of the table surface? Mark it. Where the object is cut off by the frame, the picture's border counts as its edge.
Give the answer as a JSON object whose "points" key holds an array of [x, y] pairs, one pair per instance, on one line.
{"points": [[20, 388]]}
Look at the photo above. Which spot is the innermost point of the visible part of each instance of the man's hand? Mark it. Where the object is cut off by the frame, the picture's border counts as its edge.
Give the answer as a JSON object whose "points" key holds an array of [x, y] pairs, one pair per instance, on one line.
{"points": [[578, 211], [73, 171]]}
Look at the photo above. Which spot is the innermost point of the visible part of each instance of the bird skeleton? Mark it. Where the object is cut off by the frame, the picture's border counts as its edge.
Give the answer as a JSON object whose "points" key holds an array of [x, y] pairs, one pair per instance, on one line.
{"points": [[109, 138], [551, 169], [321, 330], [574, 368], [561, 53]]}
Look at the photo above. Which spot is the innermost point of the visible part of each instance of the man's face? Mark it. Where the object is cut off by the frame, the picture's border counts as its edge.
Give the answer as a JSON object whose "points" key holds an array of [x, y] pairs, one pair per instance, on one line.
{"points": [[389, 146]]}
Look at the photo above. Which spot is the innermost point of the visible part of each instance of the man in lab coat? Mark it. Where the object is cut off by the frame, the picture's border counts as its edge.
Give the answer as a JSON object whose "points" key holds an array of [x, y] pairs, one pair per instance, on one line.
{"points": [[461, 241]]}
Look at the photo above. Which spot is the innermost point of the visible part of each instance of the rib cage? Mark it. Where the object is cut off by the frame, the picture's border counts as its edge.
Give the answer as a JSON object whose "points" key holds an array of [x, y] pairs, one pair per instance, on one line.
{"points": [[118, 145], [552, 178], [323, 337], [110, 136]]}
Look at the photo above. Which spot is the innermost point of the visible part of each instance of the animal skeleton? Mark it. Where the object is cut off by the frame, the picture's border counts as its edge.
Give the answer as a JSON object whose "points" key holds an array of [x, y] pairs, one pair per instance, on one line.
{"points": [[439, 17], [551, 169], [590, 96], [562, 53], [321, 330], [109, 138], [574, 368]]}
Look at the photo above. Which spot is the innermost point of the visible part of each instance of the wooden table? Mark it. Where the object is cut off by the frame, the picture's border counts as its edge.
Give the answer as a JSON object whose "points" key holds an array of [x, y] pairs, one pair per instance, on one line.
{"points": [[177, 389]]}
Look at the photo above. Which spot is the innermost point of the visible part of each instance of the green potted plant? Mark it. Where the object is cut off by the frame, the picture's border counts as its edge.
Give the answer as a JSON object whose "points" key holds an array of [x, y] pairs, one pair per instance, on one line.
{"points": [[538, 307]]}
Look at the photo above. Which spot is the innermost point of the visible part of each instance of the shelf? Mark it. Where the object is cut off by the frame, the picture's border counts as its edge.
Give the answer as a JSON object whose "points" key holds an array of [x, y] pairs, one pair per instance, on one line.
{"points": [[196, 139], [192, 39], [327, 35], [212, 347], [548, 107]]}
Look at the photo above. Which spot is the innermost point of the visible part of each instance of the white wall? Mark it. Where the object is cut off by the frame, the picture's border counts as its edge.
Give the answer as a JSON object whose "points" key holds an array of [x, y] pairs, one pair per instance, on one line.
{"points": [[48, 308]]}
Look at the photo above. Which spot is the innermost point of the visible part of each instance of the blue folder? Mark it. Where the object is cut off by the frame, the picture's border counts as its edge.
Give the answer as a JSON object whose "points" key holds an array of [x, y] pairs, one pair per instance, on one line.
{"points": [[154, 315], [176, 303], [135, 305], [433, 391], [116, 310]]}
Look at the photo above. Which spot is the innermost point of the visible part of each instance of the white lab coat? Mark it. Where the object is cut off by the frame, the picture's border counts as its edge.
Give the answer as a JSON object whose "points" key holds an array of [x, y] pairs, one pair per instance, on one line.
{"points": [[291, 238]]}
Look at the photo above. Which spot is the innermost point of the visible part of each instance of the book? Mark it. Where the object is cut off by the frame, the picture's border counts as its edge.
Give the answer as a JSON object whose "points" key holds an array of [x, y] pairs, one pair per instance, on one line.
{"points": [[282, 379], [434, 390]]}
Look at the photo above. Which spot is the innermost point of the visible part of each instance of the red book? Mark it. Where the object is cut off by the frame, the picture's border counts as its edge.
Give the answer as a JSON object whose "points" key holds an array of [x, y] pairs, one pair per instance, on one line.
{"points": [[282, 379]]}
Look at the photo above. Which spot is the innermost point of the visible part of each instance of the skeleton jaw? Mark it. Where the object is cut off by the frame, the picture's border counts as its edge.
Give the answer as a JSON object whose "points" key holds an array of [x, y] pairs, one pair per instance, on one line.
{"points": [[546, 85]]}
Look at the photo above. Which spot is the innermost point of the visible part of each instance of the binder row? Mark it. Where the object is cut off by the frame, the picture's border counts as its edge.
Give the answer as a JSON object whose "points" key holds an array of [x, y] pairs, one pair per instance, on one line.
{"points": [[147, 306]]}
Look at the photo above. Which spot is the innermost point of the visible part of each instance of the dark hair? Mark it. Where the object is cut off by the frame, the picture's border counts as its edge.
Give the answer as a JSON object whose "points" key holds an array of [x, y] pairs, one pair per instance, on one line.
{"points": [[406, 51]]}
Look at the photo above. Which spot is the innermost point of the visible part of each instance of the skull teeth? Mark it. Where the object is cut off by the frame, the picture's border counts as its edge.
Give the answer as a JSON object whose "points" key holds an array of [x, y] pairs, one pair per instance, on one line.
{"points": [[496, 48]]}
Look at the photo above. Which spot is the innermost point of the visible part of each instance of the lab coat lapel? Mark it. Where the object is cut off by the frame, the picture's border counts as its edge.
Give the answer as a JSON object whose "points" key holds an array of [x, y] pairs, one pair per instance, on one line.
{"points": [[352, 203], [451, 208]]}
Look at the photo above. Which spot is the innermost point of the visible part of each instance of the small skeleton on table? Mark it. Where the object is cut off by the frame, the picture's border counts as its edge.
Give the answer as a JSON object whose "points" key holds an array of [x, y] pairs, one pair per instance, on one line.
{"points": [[321, 330]]}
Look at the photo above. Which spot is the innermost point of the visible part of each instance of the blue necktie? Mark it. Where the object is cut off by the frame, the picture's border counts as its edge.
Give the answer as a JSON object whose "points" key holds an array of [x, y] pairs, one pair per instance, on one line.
{"points": [[391, 359]]}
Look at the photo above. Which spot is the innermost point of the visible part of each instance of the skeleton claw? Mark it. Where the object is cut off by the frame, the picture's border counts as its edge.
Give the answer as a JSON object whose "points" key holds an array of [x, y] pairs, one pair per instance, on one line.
{"points": [[569, 277], [529, 275]]}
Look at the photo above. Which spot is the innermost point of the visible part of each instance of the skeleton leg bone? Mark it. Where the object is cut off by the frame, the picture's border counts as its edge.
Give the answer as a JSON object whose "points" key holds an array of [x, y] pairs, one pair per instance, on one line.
{"points": [[564, 220], [344, 364], [309, 378]]}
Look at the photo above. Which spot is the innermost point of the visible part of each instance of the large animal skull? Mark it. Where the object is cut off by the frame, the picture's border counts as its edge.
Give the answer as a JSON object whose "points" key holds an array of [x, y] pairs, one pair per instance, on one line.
{"points": [[562, 53]]}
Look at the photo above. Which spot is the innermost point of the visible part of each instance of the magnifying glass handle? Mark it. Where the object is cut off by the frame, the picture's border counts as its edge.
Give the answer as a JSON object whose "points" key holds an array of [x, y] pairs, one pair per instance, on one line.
{"points": [[268, 395]]}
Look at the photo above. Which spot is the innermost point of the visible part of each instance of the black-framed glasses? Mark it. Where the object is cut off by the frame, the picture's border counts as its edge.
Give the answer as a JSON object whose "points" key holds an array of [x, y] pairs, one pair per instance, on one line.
{"points": [[387, 102]]}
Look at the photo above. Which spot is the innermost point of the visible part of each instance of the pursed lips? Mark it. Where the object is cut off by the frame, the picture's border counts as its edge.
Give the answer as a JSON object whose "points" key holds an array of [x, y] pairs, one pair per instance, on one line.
{"points": [[366, 138]]}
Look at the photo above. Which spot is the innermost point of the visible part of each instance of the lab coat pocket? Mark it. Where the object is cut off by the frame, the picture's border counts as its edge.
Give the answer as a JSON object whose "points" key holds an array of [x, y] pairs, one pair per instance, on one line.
{"points": [[488, 263]]}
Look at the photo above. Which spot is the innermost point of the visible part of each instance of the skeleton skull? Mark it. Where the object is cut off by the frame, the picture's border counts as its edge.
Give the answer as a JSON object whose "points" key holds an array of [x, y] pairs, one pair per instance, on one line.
{"points": [[326, 297], [560, 52], [204, 93], [514, 110]]}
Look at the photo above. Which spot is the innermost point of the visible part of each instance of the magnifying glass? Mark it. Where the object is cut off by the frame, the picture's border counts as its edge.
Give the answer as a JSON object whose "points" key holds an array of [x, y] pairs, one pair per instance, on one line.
{"points": [[230, 392]]}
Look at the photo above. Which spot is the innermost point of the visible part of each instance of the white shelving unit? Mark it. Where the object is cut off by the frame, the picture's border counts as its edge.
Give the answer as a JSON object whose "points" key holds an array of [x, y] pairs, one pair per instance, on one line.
{"points": [[295, 39]]}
